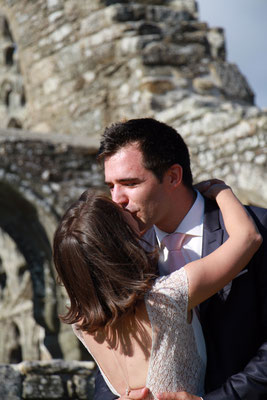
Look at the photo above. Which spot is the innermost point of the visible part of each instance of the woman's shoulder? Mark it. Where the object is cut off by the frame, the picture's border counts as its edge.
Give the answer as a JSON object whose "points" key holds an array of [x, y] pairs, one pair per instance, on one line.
{"points": [[173, 286], [175, 279], [169, 294]]}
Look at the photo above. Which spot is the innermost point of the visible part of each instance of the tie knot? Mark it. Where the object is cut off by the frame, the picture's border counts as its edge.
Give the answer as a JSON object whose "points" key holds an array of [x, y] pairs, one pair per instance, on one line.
{"points": [[174, 241]]}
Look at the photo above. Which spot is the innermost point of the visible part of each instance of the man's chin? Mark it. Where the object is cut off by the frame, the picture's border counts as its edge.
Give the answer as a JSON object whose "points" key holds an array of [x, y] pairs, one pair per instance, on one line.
{"points": [[143, 227]]}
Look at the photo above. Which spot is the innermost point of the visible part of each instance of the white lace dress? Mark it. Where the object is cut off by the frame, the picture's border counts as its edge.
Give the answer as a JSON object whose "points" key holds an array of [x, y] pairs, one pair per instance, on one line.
{"points": [[175, 363]]}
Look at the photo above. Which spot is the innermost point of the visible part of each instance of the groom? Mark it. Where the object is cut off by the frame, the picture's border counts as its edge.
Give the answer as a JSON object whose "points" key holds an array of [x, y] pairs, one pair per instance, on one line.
{"points": [[137, 155]]}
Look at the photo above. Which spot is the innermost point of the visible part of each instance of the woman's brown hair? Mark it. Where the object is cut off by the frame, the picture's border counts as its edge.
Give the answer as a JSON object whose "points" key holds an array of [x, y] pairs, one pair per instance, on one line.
{"points": [[101, 263]]}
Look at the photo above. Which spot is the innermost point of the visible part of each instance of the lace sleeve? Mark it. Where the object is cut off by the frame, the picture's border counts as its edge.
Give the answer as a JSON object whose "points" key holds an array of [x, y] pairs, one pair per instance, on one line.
{"points": [[175, 288], [175, 363]]}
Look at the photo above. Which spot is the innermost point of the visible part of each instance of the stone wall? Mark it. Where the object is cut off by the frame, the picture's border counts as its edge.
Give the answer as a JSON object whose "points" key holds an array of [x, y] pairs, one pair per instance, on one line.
{"points": [[85, 64], [38, 180], [47, 380], [12, 93]]}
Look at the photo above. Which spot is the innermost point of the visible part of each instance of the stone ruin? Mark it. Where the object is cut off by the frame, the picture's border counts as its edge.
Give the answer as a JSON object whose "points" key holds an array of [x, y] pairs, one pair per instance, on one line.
{"points": [[55, 379], [78, 65], [39, 179], [68, 69]]}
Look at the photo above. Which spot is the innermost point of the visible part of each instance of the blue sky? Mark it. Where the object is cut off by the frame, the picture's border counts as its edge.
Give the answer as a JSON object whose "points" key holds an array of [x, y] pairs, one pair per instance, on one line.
{"points": [[245, 24]]}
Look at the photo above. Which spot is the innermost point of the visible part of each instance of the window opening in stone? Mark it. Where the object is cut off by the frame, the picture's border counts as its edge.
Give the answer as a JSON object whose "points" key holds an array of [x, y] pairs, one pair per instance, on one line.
{"points": [[22, 269], [3, 278], [7, 32], [23, 99], [7, 98], [15, 355], [9, 55], [14, 123]]}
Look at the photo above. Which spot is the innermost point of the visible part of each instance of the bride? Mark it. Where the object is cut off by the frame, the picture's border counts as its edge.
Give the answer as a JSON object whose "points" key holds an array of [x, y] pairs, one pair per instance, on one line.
{"points": [[138, 327]]}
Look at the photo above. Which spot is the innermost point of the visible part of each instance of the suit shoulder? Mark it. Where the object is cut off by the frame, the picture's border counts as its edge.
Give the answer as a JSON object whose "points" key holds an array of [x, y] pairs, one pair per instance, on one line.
{"points": [[259, 214]]}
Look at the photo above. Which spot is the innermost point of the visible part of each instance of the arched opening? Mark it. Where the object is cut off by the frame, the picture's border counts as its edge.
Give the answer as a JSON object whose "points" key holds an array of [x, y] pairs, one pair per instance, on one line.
{"points": [[3, 279], [7, 97], [15, 354], [21, 270], [7, 33], [23, 98], [9, 53], [20, 222], [14, 123]]}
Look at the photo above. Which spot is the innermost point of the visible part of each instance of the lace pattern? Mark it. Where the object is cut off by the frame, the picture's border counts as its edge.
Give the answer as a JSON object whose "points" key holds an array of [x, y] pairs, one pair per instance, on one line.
{"points": [[174, 362]]}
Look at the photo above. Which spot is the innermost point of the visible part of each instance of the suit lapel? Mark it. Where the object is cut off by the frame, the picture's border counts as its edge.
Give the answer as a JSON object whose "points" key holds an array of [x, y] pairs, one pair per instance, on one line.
{"points": [[212, 230], [213, 237]]}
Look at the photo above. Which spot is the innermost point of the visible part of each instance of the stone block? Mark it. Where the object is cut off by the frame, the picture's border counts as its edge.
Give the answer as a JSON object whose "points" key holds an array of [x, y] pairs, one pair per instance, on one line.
{"points": [[231, 81], [190, 37], [154, 85], [10, 383], [171, 54], [129, 12], [61, 33], [42, 387], [84, 386], [217, 43], [166, 14], [54, 367], [184, 5], [203, 84]]}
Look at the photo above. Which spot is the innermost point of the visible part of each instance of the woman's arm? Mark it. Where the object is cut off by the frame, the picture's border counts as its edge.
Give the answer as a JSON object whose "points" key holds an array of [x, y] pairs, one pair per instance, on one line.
{"points": [[211, 273]]}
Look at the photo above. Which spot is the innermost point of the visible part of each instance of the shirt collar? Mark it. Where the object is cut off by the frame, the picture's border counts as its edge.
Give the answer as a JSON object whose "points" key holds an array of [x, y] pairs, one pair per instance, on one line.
{"points": [[192, 224]]}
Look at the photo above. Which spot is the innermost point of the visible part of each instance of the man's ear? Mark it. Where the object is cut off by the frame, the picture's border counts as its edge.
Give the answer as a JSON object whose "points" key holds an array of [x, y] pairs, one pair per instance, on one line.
{"points": [[175, 175]]}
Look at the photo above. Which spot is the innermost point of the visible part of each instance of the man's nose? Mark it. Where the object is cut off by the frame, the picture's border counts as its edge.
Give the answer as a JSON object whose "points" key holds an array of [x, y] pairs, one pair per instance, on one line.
{"points": [[119, 196]]}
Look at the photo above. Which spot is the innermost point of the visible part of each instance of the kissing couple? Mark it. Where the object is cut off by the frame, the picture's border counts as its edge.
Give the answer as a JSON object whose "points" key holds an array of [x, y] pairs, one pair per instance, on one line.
{"points": [[167, 281]]}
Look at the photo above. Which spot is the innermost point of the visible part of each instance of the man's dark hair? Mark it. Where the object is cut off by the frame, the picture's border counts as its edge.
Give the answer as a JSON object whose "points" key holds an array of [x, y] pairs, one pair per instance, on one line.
{"points": [[160, 144]]}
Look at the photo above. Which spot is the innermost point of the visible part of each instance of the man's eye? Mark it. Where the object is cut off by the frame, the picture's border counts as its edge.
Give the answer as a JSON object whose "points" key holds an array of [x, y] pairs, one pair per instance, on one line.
{"points": [[130, 184]]}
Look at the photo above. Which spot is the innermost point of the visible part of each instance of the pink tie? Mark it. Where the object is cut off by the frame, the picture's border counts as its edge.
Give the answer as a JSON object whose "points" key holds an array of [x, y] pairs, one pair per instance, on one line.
{"points": [[175, 258]]}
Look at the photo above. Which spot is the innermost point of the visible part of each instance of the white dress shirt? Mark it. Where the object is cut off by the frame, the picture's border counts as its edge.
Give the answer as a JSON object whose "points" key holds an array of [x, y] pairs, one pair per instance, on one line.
{"points": [[192, 226]]}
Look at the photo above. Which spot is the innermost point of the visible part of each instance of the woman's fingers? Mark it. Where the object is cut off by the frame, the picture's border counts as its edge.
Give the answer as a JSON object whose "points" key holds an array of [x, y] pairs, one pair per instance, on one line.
{"points": [[205, 185], [136, 394]]}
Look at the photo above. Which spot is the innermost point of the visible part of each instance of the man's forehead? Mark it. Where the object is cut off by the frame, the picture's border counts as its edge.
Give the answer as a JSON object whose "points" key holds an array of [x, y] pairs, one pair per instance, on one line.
{"points": [[128, 148], [127, 163], [123, 172], [128, 154]]}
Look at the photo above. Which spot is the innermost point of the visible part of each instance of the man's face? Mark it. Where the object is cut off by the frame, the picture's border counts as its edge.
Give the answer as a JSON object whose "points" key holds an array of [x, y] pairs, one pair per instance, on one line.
{"points": [[136, 188]]}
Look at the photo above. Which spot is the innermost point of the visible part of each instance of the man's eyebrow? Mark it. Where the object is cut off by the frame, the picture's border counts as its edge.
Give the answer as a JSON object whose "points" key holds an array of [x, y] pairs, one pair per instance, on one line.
{"points": [[129, 179], [124, 180]]}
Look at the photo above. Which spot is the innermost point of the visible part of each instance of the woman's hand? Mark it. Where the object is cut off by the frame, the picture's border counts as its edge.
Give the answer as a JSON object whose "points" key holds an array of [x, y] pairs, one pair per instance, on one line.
{"points": [[177, 396], [136, 394], [232, 256], [211, 188]]}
